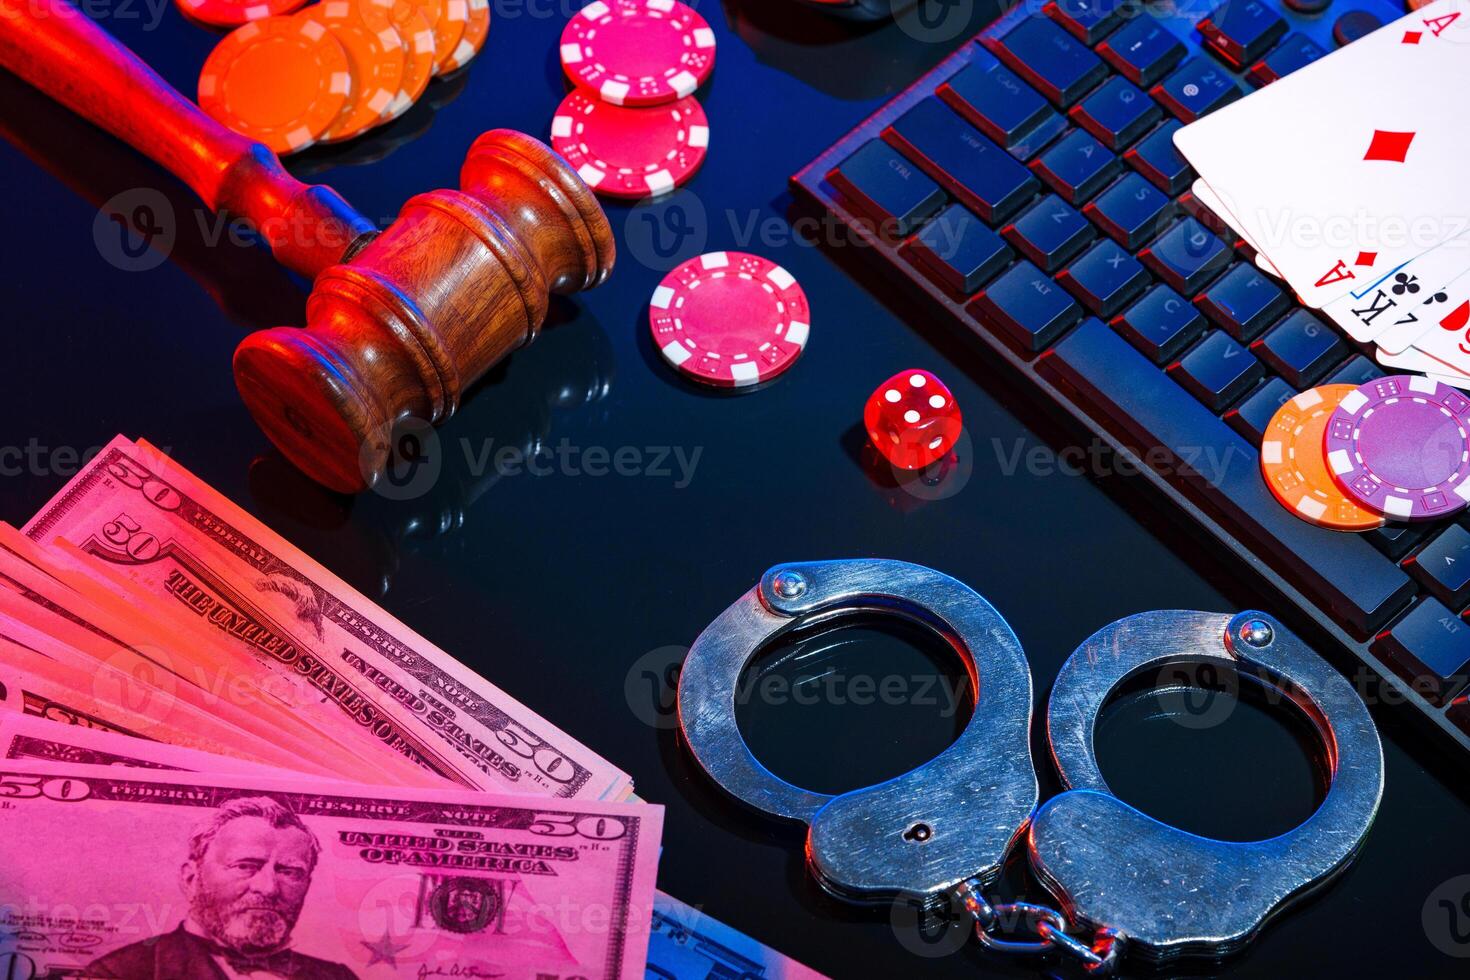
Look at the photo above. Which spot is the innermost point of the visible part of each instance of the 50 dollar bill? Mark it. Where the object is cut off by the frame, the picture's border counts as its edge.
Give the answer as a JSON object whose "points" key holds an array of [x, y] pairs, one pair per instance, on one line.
{"points": [[140, 515]]}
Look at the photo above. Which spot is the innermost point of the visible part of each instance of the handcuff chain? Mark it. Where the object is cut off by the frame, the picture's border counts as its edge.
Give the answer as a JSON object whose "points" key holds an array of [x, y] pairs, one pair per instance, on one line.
{"points": [[1046, 923]]}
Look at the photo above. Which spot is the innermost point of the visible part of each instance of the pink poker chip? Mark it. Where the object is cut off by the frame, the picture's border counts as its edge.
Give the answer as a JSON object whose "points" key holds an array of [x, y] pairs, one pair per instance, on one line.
{"points": [[630, 153], [729, 319], [1400, 446], [638, 52]]}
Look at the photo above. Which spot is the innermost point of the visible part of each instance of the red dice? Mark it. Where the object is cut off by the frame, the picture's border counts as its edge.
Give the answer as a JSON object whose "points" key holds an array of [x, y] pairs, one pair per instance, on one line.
{"points": [[912, 419]]}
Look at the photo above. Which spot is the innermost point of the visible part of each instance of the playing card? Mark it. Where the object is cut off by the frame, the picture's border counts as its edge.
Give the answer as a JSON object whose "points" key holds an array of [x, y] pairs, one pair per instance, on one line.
{"points": [[1397, 307], [1351, 165], [1446, 341], [1206, 195], [1421, 363]]}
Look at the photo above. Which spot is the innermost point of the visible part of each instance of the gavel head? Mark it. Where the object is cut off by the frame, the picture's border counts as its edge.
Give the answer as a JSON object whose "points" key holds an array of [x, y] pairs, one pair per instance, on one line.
{"points": [[425, 308]]}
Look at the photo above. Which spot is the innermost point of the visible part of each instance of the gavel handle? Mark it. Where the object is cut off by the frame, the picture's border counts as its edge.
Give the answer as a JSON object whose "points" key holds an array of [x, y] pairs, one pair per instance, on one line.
{"points": [[60, 51]]}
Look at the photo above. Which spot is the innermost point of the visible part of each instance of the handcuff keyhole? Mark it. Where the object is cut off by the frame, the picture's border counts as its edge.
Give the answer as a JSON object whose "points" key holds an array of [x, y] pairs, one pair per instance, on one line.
{"points": [[918, 833]]}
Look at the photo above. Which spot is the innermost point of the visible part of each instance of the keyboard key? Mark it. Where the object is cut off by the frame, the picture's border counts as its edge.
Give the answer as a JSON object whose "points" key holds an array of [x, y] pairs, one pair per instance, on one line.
{"points": [[1059, 65], [1156, 158], [1131, 211], [1003, 107], [1104, 278], [1296, 51], [1200, 212], [1161, 324], [1186, 256], [1443, 566], [1243, 301], [1240, 31], [1358, 371], [1217, 371], [1049, 233], [1301, 348], [972, 168], [1353, 25], [1458, 713], [1430, 648], [1076, 166], [887, 187], [1252, 417], [1196, 89], [1220, 472], [1117, 113], [1026, 306], [960, 250], [1089, 20], [1396, 539], [1143, 50]]}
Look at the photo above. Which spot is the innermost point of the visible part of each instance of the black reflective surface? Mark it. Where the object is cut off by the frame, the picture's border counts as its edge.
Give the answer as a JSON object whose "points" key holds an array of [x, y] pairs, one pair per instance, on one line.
{"points": [[575, 591]]}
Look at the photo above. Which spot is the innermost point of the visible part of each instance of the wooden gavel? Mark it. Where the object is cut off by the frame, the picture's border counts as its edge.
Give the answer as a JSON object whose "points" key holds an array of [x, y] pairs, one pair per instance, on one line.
{"points": [[400, 321]]}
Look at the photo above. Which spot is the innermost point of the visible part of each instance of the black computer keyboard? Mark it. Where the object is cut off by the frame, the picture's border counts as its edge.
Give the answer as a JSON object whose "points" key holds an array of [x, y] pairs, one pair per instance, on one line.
{"points": [[1029, 188]]}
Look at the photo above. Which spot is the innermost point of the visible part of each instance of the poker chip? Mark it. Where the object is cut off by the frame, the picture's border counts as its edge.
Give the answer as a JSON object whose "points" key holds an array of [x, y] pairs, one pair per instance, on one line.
{"points": [[729, 319], [449, 28], [418, 55], [1295, 464], [1400, 445], [375, 56], [630, 153], [236, 13], [638, 52], [282, 81], [433, 11], [476, 29], [376, 14]]}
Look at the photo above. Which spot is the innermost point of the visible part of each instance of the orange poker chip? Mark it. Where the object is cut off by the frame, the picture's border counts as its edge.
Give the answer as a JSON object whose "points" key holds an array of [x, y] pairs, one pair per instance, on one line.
{"points": [[1294, 461], [476, 29], [418, 65], [282, 81], [235, 13], [376, 60], [448, 32], [377, 14], [433, 10]]}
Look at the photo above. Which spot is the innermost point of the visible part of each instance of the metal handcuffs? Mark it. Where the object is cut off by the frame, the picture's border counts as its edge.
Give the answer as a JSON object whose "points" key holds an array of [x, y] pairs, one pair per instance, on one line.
{"points": [[942, 831]]}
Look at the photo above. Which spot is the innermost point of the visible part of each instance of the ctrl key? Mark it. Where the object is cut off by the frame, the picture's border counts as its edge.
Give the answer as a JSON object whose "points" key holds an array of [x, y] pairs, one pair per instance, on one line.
{"points": [[1429, 648], [888, 188]]}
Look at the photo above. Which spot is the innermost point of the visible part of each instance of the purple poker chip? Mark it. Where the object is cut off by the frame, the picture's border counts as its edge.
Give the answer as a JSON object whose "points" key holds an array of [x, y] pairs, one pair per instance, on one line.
{"points": [[1401, 446]]}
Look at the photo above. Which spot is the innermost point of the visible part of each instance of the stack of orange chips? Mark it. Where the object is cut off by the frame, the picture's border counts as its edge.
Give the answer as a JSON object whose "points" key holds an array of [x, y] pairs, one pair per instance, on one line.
{"points": [[332, 71]]}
